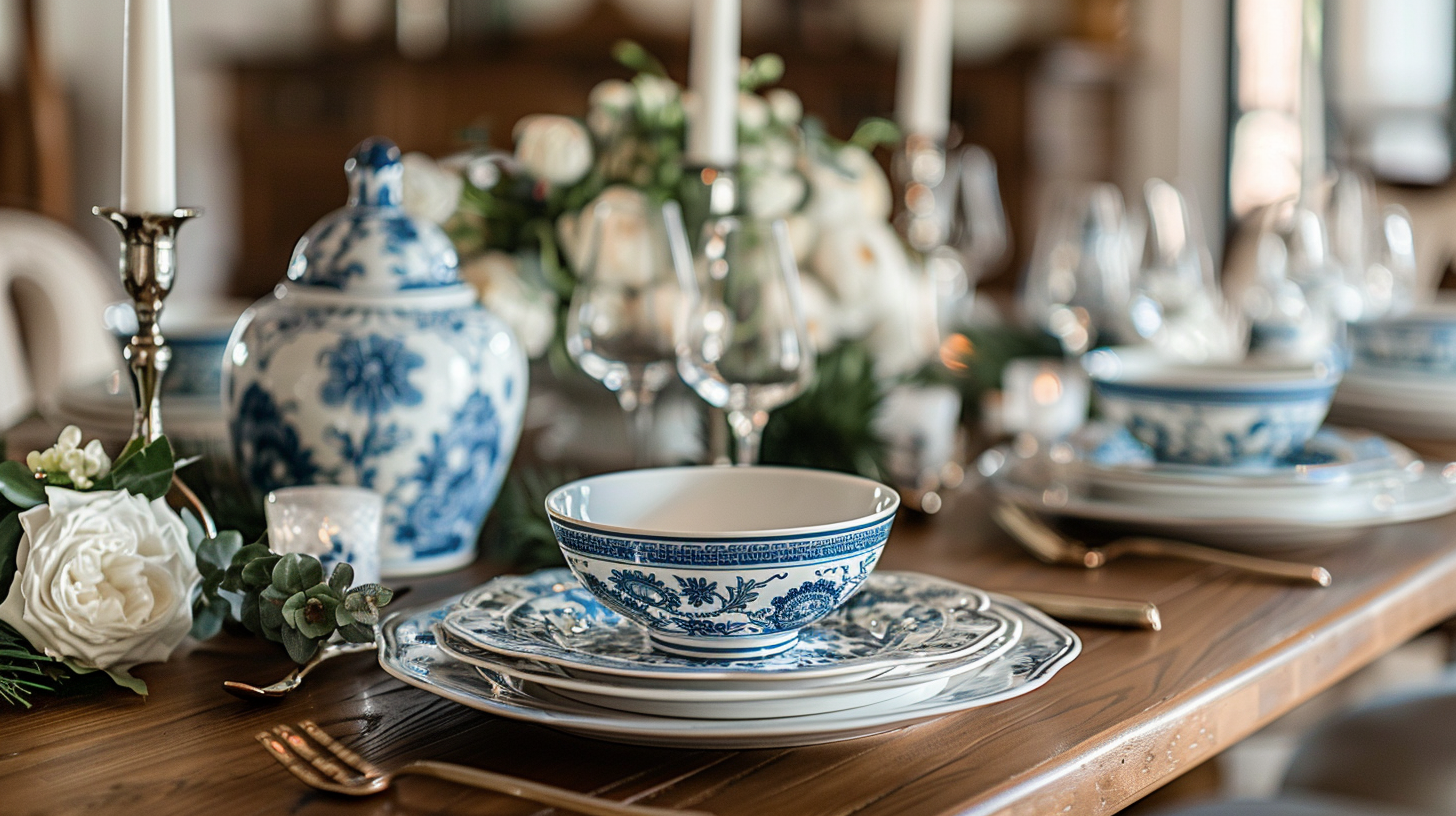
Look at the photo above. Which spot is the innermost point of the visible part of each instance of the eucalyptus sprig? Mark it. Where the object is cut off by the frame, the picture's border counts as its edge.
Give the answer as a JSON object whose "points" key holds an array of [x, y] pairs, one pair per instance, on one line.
{"points": [[286, 600]]}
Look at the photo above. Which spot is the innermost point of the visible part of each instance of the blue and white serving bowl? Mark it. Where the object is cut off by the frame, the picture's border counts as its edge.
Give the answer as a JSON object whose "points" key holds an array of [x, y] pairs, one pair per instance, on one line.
{"points": [[196, 332], [722, 563], [1211, 414], [1421, 342]]}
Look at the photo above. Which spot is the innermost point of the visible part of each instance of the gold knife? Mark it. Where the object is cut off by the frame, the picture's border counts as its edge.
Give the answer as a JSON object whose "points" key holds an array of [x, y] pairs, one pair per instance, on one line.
{"points": [[1088, 609]]}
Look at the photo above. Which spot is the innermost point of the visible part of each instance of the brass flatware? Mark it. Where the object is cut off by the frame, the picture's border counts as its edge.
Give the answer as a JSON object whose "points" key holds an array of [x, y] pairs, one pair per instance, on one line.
{"points": [[294, 679], [1089, 609], [321, 762], [1052, 547]]}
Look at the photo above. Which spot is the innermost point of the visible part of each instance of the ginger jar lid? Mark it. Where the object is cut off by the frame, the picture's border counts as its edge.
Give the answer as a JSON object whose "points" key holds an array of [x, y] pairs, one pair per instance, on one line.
{"points": [[371, 246]]}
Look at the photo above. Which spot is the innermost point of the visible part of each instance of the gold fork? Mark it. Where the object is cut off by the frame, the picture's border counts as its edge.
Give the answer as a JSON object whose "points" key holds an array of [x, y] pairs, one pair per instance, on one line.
{"points": [[322, 762]]}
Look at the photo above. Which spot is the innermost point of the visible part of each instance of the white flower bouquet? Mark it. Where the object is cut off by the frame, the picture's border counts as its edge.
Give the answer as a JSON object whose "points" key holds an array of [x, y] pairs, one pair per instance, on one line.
{"points": [[517, 224]]}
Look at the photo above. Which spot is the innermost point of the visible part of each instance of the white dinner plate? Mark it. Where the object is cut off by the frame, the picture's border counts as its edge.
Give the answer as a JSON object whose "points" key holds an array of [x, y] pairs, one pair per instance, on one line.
{"points": [[1400, 404], [408, 651], [1234, 522], [748, 700], [895, 619]]}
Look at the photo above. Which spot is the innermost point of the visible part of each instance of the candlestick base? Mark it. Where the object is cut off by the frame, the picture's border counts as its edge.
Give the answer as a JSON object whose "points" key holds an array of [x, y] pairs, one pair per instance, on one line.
{"points": [[148, 267]]}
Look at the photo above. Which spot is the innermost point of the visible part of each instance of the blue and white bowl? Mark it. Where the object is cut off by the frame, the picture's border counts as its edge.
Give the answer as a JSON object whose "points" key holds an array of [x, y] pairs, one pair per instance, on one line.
{"points": [[722, 563], [197, 333], [1211, 414], [1422, 342]]}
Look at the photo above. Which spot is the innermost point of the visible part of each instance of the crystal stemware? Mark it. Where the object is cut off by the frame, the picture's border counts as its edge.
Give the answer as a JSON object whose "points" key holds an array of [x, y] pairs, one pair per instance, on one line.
{"points": [[619, 327], [1078, 284], [743, 345]]}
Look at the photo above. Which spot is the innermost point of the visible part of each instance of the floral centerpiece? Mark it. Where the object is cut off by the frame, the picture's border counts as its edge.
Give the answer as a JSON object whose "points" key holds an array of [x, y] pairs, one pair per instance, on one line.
{"points": [[99, 574], [517, 220]]}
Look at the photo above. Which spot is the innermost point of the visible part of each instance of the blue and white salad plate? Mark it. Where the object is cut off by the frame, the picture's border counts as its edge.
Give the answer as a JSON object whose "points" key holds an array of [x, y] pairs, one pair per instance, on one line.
{"points": [[745, 700], [1247, 515], [895, 619], [409, 651]]}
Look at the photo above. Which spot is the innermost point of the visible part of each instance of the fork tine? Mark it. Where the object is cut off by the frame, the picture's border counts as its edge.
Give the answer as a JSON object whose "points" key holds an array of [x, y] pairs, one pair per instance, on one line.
{"points": [[361, 764], [279, 750], [325, 764]]}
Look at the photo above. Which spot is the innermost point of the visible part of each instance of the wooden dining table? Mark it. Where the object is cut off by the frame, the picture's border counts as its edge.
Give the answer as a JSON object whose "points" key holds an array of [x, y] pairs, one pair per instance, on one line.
{"points": [[1133, 712]]}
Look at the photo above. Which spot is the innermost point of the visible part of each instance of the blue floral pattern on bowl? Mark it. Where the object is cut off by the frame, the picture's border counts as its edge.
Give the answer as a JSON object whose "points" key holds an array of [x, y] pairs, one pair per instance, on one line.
{"points": [[1423, 343], [725, 598], [376, 367]]}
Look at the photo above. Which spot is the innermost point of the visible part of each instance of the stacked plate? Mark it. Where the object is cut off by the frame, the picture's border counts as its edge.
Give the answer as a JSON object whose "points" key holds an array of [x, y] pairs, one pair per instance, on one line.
{"points": [[1340, 482], [1404, 404], [905, 648]]}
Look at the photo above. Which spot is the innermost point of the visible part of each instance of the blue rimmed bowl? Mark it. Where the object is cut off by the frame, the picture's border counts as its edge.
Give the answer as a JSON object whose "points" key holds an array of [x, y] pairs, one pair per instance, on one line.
{"points": [[198, 335], [722, 562], [1211, 414], [1421, 342]]}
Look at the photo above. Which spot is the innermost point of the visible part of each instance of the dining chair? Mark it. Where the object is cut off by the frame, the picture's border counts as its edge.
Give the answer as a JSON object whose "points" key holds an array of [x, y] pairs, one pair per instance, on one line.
{"points": [[53, 290], [1398, 750]]}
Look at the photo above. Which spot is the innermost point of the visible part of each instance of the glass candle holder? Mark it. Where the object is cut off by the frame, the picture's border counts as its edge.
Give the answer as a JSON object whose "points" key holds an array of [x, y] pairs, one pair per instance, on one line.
{"points": [[1046, 398], [333, 523]]}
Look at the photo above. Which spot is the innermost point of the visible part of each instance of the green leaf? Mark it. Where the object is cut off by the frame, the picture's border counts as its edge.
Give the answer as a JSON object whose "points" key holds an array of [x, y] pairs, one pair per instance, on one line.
{"points": [[341, 579], [875, 131], [356, 633], [147, 472], [365, 601], [296, 572], [208, 616], [235, 582], [300, 647], [258, 573], [271, 616], [134, 446], [634, 56], [195, 532], [251, 616], [19, 486], [215, 554], [10, 535]]}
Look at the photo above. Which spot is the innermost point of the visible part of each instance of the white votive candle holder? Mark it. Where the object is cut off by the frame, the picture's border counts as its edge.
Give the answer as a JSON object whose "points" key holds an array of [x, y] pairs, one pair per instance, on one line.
{"points": [[1046, 398], [333, 523]]}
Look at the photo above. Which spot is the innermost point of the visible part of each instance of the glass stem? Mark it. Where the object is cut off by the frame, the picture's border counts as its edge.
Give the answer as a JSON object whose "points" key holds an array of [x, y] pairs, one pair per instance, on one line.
{"points": [[637, 401], [748, 434]]}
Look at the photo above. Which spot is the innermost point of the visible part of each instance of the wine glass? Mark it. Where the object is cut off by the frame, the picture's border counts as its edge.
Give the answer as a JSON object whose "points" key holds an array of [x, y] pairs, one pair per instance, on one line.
{"points": [[743, 345], [1079, 282], [619, 326]]}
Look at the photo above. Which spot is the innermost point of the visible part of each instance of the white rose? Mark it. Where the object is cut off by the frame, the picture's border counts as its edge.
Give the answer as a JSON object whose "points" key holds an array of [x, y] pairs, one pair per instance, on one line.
{"points": [[775, 195], [103, 580], [610, 102], [856, 260], [625, 250], [907, 333], [785, 106], [430, 192], [855, 190], [555, 149], [529, 310], [820, 313], [655, 95], [753, 115]]}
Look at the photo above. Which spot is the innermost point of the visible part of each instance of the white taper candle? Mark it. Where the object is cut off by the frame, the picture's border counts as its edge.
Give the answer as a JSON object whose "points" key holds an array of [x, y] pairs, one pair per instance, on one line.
{"points": [[923, 94], [148, 110], [713, 76]]}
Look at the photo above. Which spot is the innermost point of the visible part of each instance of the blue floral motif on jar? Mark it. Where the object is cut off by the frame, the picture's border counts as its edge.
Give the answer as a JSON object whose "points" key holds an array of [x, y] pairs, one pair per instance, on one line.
{"points": [[698, 591], [372, 373], [269, 446], [454, 480], [391, 375]]}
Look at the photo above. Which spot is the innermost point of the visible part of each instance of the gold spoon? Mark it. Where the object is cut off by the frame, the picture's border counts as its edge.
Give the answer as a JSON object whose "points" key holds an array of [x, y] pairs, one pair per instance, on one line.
{"points": [[1052, 547]]}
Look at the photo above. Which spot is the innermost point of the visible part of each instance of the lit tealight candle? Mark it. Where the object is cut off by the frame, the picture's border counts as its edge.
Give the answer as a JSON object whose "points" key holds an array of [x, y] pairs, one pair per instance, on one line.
{"points": [[1045, 398]]}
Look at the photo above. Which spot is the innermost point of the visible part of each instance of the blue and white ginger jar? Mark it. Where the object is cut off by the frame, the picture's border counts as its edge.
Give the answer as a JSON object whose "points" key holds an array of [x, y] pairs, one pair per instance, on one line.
{"points": [[374, 365]]}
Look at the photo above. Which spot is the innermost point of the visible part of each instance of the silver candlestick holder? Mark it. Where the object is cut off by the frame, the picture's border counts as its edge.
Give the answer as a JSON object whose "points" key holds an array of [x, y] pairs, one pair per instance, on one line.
{"points": [[148, 268]]}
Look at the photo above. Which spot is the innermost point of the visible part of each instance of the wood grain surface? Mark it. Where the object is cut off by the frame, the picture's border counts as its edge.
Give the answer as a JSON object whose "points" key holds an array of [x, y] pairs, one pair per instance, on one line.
{"points": [[1134, 711]]}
